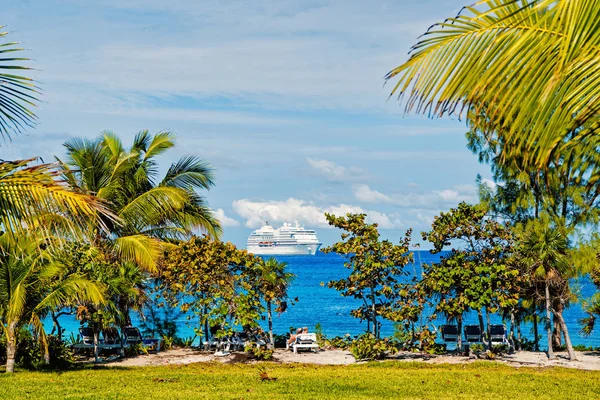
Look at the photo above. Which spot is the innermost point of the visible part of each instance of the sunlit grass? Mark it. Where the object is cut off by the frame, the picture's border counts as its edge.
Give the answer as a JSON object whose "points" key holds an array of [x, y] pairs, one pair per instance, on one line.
{"points": [[368, 381]]}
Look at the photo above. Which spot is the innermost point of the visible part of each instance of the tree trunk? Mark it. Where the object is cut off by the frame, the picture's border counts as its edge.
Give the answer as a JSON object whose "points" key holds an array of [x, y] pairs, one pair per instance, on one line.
{"points": [[549, 330], [556, 339], [96, 349], [565, 330], [536, 342], [489, 331], [373, 315], [11, 347], [59, 330], [519, 347], [270, 316], [512, 329], [481, 325], [459, 340]]}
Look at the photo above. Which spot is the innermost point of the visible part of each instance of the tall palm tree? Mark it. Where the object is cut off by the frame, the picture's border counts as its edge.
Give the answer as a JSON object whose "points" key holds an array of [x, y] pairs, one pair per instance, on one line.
{"points": [[531, 64], [274, 281], [29, 191], [151, 211], [544, 250], [31, 285], [17, 93]]}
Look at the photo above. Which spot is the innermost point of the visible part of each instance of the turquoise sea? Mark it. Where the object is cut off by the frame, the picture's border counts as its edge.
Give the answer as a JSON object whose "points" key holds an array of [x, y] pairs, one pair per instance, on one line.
{"points": [[320, 305]]}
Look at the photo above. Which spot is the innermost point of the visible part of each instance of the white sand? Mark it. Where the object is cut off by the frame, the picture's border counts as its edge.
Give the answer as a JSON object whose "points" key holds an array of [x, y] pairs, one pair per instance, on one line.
{"points": [[586, 360]]}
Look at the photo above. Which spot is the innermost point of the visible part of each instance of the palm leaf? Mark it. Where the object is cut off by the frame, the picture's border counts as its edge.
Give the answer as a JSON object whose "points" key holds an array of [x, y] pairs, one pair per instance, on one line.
{"points": [[17, 93], [531, 64]]}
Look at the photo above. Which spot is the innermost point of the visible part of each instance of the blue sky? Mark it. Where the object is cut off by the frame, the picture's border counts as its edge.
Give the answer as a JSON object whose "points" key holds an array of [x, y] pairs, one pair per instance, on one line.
{"points": [[284, 98]]}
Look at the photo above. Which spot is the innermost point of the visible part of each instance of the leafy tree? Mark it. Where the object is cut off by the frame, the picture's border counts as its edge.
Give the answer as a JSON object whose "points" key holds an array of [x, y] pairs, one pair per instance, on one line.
{"points": [[544, 250], [214, 280], [376, 267], [531, 64], [32, 284], [274, 281], [478, 275], [151, 211]]}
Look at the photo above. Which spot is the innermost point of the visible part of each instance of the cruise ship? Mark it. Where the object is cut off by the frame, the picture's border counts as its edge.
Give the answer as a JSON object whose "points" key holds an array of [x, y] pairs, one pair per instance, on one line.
{"points": [[289, 240]]}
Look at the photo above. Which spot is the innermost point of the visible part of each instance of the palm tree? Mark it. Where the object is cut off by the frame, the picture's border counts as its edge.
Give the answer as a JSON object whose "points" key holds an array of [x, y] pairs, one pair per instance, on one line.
{"points": [[544, 250], [29, 191], [151, 211], [274, 281], [17, 93], [31, 285], [531, 64]]}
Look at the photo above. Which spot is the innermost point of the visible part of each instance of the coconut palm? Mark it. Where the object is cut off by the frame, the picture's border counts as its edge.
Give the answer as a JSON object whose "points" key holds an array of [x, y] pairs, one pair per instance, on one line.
{"points": [[274, 281], [544, 250], [17, 93], [531, 64], [34, 195], [31, 285], [151, 211]]}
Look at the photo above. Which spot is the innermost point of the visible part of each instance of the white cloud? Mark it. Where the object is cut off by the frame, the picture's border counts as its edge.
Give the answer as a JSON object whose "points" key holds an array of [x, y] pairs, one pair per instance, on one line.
{"points": [[225, 220], [334, 172], [256, 212], [365, 194], [435, 200]]}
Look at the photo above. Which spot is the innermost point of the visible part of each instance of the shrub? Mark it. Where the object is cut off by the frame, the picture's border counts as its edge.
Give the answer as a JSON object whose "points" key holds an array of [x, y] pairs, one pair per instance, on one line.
{"points": [[339, 342], [167, 342], [280, 340], [368, 347], [258, 353], [29, 352]]}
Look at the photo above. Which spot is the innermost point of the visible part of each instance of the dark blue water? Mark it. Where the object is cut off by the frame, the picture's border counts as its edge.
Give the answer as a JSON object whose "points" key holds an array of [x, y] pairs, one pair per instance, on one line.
{"points": [[320, 305]]}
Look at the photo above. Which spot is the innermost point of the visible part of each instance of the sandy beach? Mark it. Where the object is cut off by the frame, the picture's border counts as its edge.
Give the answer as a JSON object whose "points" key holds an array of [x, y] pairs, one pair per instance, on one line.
{"points": [[585, 360]]}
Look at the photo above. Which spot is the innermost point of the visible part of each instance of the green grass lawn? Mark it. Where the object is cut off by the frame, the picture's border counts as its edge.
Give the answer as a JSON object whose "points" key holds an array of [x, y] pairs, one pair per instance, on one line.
{"points": [[390, 380]]}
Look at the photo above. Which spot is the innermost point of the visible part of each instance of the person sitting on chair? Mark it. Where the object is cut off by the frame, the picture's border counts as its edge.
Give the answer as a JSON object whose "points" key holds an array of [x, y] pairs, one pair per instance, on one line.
{"points": [[293, 336], [305, 330]]}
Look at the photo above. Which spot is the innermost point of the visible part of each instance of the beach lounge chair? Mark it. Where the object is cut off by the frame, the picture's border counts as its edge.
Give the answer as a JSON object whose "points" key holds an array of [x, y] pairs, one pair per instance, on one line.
{"points": [[498, 335], [473, 334], [305, 341], [87, 339], [134, 336], [111, 339], [450, 333]]}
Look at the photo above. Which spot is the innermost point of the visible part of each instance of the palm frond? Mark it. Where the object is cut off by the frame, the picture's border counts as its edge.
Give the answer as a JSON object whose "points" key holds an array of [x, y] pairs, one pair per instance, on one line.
{"points": [[190, 172], [18, 93], [141, 249], [531, 63]]}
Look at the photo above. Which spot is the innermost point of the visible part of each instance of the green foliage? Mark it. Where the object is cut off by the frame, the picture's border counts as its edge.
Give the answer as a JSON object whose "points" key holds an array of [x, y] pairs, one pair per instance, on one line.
{"points": [[214, 280], [375, 265], [30, 353], [280, 340], [185, 342], [339, 342], [18, 98], [368, 347], [481, 274], [152, 210], [527, 63], [258, 353]]}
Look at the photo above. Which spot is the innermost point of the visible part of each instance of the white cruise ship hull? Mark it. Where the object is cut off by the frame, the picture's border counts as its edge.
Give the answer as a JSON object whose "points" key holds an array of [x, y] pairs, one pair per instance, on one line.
{"points": [[292, 249]]}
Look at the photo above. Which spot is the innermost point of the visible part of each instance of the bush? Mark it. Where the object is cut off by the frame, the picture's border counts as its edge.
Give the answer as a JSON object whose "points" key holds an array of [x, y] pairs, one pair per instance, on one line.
{"points": [[339, 342], [30, 355], [368, 347], [257, 353], [280, 340]]}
